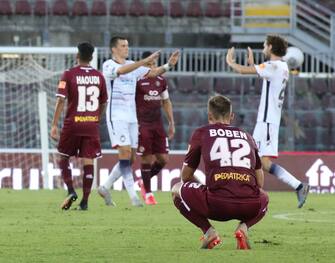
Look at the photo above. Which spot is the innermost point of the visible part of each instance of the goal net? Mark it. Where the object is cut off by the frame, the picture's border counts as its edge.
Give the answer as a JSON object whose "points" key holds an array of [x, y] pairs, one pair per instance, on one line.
{"points": [[28, 82]]}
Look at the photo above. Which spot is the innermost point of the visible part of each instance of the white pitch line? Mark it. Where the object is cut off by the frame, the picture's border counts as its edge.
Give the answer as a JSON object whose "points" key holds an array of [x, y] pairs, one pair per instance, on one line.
{"points": [[304, 217]]}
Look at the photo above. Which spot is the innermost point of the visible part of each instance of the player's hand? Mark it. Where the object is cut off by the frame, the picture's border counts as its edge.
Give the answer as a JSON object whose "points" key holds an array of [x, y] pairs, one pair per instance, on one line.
{"points": [[250, 59], [152, 57], [173, 59], [171, 131], [54, 133], [230, 56]]}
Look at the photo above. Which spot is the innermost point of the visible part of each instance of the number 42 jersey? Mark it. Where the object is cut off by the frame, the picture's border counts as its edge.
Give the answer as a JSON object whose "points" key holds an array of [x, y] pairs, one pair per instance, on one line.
{"points": [[230, 157], [85, 90]]}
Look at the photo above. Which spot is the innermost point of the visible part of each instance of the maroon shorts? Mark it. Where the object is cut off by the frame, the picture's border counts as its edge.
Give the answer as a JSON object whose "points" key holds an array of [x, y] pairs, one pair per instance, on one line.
{"points": [[152, 139], [79, 146], [213, 206]]}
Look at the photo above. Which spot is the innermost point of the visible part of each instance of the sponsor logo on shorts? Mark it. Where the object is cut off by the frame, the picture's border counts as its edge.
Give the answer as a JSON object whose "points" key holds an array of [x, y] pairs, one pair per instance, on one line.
{"points": [[232, 176], [122, 138], [86, 118], [141, 149]]}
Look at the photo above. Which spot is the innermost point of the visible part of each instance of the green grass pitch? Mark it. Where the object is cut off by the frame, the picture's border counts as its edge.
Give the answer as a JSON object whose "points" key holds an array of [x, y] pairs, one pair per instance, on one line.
{"points": [[34, 229]]}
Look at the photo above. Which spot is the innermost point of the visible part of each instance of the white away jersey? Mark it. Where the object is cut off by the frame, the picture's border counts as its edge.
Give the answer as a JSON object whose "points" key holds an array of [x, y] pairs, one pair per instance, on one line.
{"points": [[121, 91], [275, 76]]}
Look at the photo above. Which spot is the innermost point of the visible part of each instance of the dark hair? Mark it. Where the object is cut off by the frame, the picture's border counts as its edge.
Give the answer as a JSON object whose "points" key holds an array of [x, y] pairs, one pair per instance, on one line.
{"points": [[146, 54], [278, 43], [114, 40], [85, 51], [219, 106]]}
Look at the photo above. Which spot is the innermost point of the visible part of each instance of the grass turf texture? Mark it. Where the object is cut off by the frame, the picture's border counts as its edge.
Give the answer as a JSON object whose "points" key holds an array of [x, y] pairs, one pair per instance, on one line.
{"points": [[34, 229]]}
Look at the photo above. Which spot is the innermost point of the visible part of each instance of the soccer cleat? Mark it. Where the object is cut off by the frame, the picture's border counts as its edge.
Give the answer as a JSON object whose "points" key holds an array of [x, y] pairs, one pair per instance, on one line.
{"points": [[136, 202], [82, 206], [150, 200], [210, 240], [302, 194], [242, 240], [105, 194], [69, 200], [141, 185]]}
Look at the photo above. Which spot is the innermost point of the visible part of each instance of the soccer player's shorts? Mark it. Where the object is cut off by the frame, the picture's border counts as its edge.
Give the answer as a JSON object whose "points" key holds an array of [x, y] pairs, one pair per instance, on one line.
{"points": [[122, 133], [266, 138], [152, 140], [79, 146], [197, 198]]}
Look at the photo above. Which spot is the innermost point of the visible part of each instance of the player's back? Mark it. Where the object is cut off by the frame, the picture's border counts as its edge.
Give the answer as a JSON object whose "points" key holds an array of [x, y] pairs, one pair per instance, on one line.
{"points": [[85, 90], [231, 158], [148, 99]]}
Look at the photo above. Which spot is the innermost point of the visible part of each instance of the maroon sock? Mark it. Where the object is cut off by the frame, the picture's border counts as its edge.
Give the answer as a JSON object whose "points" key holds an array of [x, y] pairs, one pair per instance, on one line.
{"points": [[146, 177], [66, 173], [87, 181], [156, 168], [190, 215]]}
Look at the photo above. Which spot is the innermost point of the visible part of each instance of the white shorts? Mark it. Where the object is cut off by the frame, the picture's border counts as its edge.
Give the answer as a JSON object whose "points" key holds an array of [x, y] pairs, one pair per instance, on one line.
{"points": [[123, 133], [266, 138]]}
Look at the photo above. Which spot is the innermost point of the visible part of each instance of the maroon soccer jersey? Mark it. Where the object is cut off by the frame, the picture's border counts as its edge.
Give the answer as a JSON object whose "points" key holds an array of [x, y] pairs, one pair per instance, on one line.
{"points": [[148, 99], [230, 156], [85, 90]]}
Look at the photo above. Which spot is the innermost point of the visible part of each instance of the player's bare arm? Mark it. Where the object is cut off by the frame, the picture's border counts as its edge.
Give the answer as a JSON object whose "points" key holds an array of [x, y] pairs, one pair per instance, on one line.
{"points": [[240, 68], [187, 174], [58, 111], [166, 67], [167, 107], [260, 178], [131, 67]]}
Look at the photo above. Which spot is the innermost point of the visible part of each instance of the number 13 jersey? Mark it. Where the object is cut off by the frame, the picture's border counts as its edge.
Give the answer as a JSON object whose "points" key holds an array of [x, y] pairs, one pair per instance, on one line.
{"points": [[230, 157], [85, 90]]}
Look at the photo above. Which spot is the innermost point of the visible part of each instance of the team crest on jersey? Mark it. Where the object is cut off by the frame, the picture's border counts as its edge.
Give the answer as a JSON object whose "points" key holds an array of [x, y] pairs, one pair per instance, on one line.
{"points": [[158, 84]]}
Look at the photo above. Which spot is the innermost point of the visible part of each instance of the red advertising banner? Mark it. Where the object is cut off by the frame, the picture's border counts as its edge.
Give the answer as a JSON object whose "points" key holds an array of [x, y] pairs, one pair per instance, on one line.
{"points": [[316, 168]]}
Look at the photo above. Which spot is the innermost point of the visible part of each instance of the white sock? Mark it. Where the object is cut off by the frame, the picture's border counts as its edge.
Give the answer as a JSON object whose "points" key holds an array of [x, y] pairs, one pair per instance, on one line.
{"points": [[284, 176], [128, 181], [113, 176]]}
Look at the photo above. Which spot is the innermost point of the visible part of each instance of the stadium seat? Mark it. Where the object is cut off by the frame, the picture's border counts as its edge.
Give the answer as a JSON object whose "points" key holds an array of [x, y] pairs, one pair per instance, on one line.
{"points": [[5, 8], [176, 9], [308, 120], [136, 8], [41, 8], [156, 8], [194, 9], [60, 8], [22, 7], [319, 87], [80, 8], [224, 86], [185, 84], [99, 8], [204, 85], [213, 9], [118, 8]]}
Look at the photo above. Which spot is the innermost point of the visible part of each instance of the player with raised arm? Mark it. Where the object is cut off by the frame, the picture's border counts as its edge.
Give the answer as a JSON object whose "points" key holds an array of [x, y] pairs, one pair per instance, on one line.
{"points": [[275, 74], [84, 89], [121, 76], [153, 146], [234, 177]]}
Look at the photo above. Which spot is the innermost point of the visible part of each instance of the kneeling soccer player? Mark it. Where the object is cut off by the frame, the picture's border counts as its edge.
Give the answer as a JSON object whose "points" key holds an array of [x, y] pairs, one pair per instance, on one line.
{"points": [[234, 177]]}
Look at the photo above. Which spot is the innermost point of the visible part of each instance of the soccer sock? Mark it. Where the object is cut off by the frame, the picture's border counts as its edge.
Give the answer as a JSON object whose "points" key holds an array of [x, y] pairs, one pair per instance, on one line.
{"points": [[284, 176], [146, 176], [128, 179], [87, 181], [113, 176], [156, 168], [66, 173], [194, 218]]}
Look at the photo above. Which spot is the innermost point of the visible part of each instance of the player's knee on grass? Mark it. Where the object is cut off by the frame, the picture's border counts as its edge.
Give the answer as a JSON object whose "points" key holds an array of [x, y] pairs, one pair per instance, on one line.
{"points": [[175, 190]]}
